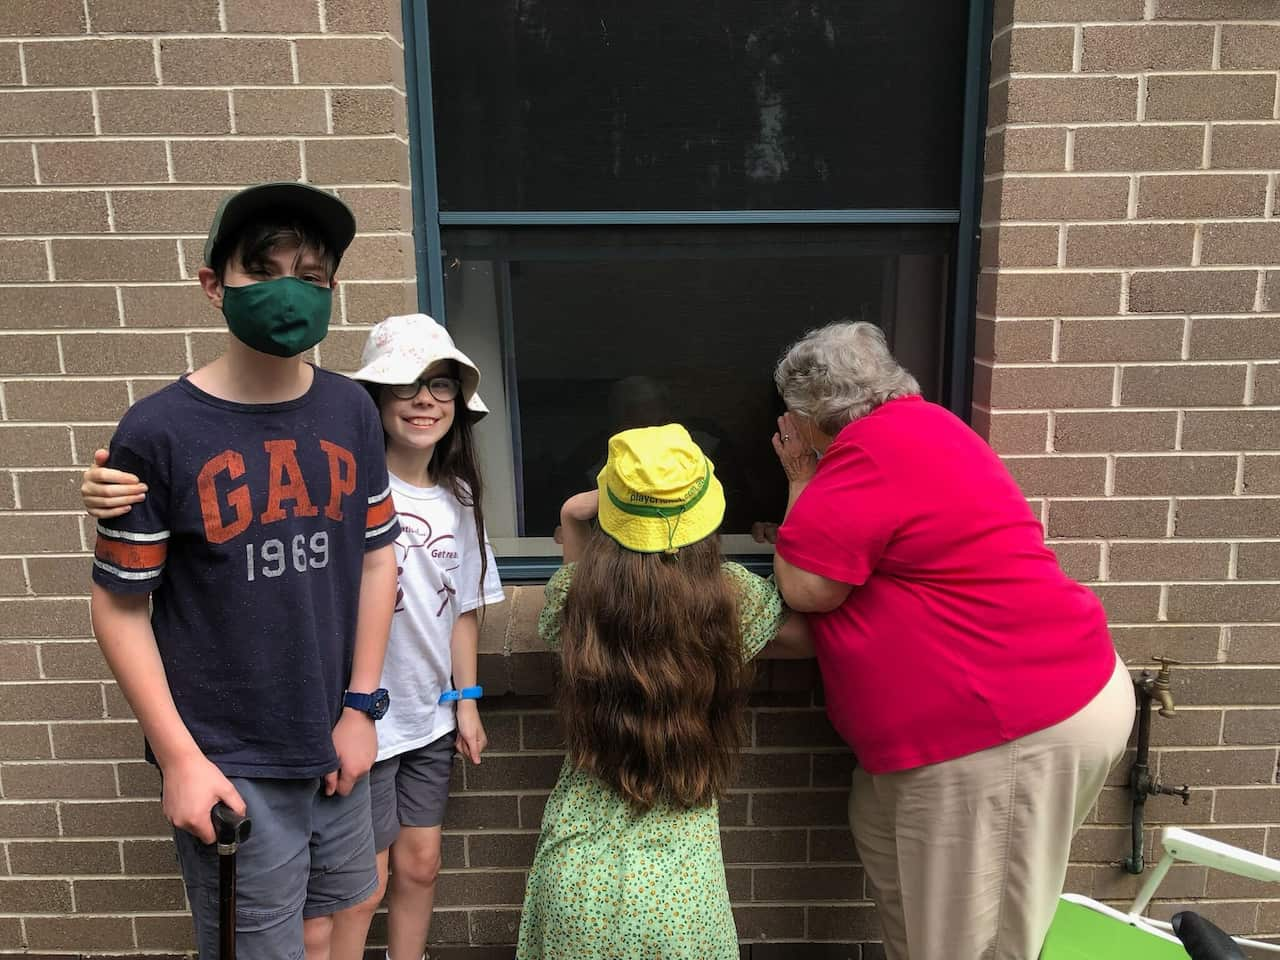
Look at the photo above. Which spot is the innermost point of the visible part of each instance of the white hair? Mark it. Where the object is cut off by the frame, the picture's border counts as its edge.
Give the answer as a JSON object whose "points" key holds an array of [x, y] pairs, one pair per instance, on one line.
{"points": [[841, 372]]}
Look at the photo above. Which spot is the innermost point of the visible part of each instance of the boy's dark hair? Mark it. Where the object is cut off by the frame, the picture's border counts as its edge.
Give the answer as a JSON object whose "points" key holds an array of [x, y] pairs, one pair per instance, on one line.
{"points": [[253, 244]]}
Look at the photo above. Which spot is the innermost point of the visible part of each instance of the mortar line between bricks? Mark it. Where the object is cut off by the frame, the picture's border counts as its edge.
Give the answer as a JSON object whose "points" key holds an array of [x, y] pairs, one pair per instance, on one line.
{"points": [[206, 137], [323, 16], [1191, 72], [22, 64], [222, 15], [1215, 62], [155, 61], [155, 35], [1069, 174], [88, 18]]}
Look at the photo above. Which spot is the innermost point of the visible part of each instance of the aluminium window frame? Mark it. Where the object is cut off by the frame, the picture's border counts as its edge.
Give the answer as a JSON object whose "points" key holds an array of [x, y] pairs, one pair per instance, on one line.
{"points": [[957, 360]]}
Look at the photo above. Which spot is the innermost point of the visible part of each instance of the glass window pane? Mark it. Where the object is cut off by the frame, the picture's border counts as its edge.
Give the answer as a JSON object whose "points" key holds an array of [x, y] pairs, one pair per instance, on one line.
{"points": [[582, 332], [672, 105]]}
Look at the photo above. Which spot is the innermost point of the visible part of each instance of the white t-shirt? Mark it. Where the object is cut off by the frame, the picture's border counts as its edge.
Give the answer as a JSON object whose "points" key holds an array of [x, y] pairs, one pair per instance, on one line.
{"points": [[439, 568]]}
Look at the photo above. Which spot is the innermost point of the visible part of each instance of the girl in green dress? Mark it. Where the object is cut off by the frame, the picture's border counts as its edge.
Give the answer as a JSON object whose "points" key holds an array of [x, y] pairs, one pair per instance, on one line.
{"points": [[655, 629]]}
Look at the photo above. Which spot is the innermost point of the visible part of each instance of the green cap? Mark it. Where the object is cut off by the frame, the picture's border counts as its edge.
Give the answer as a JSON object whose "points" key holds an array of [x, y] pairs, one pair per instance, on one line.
{"points": [[333, 217]]}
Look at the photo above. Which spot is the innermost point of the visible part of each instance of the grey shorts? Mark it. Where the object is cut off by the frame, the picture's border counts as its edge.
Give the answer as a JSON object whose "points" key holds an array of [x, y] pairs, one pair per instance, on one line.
{"points": [[411, 789], [308, 856]]}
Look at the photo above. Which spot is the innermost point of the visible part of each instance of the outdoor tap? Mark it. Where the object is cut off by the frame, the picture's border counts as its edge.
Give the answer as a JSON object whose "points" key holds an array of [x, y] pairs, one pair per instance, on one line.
{"points": [[1161, 689]]}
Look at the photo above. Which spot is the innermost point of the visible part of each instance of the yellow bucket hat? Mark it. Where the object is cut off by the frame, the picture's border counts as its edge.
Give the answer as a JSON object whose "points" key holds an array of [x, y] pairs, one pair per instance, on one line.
{"points": [[658, 490]]}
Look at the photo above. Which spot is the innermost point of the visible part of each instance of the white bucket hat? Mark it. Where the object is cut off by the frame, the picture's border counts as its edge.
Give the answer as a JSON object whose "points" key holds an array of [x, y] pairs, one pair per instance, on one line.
{"points": [[399, 349]]}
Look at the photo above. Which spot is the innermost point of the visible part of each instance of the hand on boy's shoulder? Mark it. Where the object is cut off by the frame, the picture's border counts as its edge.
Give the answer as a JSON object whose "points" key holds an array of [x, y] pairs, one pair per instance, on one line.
{"points": [[109, 493]]}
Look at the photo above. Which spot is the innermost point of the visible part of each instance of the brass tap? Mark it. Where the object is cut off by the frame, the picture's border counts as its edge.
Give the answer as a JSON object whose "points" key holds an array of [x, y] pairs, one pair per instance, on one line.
{"points": [[1162, 690]]}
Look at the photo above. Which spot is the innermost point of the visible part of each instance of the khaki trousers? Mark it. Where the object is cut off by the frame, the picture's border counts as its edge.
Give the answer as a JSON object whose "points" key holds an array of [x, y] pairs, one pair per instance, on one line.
{"points": [[966, 858]]}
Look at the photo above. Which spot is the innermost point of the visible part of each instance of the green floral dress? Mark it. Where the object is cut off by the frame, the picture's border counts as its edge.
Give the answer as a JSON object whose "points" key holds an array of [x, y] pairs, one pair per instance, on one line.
{"points": [[610, 884]]}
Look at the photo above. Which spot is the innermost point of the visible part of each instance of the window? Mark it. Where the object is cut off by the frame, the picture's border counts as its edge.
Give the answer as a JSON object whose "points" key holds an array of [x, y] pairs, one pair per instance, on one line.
{"points": [[626, 211]]}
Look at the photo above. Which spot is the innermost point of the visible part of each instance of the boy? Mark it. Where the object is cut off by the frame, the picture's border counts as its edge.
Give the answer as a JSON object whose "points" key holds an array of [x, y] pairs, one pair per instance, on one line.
{"points": [[264, 545]]}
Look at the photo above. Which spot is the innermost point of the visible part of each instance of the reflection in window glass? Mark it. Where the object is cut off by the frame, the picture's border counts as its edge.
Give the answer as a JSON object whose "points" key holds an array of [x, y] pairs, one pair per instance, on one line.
{"points": [[672, 105], [582, 332]]}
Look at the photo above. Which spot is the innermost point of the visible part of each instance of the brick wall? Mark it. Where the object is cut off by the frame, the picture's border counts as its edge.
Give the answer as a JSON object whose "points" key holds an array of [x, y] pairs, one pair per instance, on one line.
{"points": [[122, 121], [1128, 339]]}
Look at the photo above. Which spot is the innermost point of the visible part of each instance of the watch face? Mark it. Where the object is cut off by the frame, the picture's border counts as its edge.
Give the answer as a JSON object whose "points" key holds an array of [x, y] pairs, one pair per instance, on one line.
{"points": [[381, 701]]}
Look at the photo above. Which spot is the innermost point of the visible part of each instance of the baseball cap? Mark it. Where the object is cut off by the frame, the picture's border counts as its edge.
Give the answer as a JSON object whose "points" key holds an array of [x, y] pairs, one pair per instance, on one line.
{"points": [[333, 217]]}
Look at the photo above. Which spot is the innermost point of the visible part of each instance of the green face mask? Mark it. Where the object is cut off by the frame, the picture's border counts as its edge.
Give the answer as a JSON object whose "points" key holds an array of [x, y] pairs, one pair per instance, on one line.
{"points": [[281, 317]]}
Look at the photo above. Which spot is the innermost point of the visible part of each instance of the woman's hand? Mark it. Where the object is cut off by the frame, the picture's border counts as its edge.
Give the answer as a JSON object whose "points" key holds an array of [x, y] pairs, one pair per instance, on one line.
{"points": [[109, 493], [471, 736], [795, 453]]}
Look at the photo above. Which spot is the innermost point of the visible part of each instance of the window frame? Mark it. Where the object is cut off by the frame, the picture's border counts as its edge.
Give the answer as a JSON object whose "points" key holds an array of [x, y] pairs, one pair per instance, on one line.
{"points": [[957, 360]]}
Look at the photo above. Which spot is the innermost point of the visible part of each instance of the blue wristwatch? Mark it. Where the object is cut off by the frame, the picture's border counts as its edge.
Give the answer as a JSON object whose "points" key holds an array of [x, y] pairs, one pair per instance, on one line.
{"points": [[374, 704], [466, 693]]}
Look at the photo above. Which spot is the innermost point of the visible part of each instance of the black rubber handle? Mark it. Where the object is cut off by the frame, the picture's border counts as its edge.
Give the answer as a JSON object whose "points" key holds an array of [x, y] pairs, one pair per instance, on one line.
{"points": [[1203, 940], [229, 828]]}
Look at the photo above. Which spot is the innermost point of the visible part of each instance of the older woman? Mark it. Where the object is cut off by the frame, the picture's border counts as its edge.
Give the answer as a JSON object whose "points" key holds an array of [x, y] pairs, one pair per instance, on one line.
{"points": [[976, 683]]}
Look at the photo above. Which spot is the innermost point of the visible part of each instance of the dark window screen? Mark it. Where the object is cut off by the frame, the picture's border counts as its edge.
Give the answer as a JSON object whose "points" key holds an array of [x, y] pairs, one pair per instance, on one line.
{"points": [[679, 105], [601, 330]]}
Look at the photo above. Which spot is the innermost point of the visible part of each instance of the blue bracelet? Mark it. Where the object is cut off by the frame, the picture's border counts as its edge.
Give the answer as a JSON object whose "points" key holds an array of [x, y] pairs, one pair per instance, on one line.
{"points": [[466, 693]]}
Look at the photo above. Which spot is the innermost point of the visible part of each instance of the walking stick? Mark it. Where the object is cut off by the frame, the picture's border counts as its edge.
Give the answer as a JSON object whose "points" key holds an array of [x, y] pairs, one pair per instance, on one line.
{"points": [[230, 830]]}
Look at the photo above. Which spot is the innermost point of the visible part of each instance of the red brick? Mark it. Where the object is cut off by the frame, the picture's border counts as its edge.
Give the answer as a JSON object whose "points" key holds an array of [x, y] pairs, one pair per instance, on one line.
{"points": [[1129, 49], [1029, 11], [1130, 245], [1246, 805], [36, 896], [175, 305], [126, 896], [1114, 432], [124, 353], [1211, 291], [115, 740], [30, 354], [51, 859], [363, 16], [1079, 561], [369, 112], [164, 211], [1205, 96]]}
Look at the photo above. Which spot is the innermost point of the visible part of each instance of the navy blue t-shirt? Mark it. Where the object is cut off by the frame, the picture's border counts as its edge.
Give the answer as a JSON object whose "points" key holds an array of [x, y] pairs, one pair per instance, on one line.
{"points": [[251, 541]]}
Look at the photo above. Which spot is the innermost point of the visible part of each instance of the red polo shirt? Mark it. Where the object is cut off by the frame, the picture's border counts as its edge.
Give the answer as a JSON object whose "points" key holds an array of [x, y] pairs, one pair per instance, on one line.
{"points": [[961, 631]]}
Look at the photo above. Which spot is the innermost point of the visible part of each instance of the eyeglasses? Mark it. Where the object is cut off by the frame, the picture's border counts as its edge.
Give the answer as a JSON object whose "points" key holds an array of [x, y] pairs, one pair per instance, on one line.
{"points": [[442, 389]]}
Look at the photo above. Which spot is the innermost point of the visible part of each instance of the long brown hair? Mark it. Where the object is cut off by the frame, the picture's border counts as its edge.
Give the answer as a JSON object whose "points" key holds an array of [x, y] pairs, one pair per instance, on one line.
{"points": [[654, 681]]}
